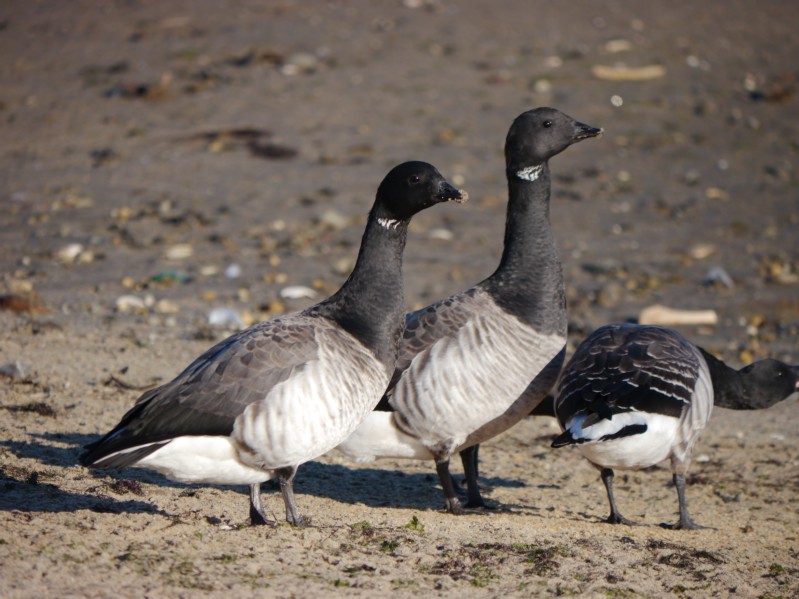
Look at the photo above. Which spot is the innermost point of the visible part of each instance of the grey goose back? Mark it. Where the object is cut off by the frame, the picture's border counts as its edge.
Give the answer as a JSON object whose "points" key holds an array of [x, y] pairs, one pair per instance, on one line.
{"points": [[280, 393], [634, 395], [466, 360]]}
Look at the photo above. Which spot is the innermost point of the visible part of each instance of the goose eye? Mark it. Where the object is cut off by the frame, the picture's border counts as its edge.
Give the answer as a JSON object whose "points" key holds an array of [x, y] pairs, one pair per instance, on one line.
{"points": [[414, 179], [547, 124]]}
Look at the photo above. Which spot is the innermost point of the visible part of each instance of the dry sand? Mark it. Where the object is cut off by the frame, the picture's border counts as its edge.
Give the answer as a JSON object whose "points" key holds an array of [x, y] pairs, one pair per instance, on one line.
{"points": [[254, 134]]}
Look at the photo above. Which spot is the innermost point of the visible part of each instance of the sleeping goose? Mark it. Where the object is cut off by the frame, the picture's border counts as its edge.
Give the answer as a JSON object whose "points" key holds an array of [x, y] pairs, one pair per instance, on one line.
{"points": [[466, 361], [280, 393], [634, 395]]}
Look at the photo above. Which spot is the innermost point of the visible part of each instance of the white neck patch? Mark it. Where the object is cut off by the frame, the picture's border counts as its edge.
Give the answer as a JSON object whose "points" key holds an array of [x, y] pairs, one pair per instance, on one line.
{"points": [[530, 173], [388, 223]]}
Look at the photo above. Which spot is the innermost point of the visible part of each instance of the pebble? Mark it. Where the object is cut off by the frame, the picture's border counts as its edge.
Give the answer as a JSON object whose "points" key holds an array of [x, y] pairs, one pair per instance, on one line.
{"points": [[20, 286], [225, 317], [333, 220], [166, 306], [69, 253], [179, 251], [702, 251], [233, 271], [130, 303], [441, 234], [343, 266], [301, 62], [715, 193], [610, 295], [297, 292], [618, 45], [16, 370], [717, 275]]}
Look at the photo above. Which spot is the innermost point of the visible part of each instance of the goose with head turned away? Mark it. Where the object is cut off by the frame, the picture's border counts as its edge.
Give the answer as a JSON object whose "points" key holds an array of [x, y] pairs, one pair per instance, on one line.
{"points": [[475, 363], [634, 395], [280, 393]]}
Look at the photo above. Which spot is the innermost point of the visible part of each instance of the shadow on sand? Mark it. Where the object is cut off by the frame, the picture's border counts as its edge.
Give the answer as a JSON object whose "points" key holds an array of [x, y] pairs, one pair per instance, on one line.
{"points": [[32, 489]]}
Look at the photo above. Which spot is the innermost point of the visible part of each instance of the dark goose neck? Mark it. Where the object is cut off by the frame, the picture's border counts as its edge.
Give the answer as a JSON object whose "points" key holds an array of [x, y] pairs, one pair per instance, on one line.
{"points": [[529, 279], [370, 304], [729, 390]]}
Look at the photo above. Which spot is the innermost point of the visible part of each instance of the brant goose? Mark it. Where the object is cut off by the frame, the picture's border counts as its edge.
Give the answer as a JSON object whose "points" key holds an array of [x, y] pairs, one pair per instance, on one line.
{"points": [[466, 361], [634, 395], [282, 392]]}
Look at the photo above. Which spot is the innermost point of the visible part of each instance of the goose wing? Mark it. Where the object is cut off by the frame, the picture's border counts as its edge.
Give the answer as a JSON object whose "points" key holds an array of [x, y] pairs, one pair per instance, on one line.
{"points": [[212, 391], [625, 368]]}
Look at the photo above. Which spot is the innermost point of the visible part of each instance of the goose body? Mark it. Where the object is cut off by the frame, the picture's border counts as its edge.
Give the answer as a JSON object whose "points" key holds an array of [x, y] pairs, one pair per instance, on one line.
{"points": [[474, 364], [635, 395], [280, 393]]}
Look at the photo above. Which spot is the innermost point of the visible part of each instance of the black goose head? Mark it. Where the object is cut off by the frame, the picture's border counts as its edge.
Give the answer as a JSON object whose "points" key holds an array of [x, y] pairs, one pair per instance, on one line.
{"points": [[768, 382], [410, 188], [538, 135]]}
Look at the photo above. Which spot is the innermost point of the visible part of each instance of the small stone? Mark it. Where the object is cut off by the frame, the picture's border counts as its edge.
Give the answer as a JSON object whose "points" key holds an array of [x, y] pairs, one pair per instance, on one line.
{"points": [[16, 370], [610, 295], [715, 193], [542, 86], [702, 251], [333, 220], [274, 308], [618, 45], [180, 251], [225, 317], [233, 271], [343, 266], [718, 276], [20, 286], [441, 234], [297, 292], [301, 62], [166, 306], [69, 253], [130, 304]]}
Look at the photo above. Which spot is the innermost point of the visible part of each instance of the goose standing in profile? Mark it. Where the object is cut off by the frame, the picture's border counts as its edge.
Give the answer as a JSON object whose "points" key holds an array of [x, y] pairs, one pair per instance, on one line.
{"points": [[466, 361], [283, 392], [634, 395]]}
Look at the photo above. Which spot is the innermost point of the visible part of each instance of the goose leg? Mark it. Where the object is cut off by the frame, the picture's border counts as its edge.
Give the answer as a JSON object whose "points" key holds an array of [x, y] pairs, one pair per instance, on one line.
{"points": [[286, 478], [257, 515], [615, 516], [469, 457], [452, 503], [685, 522]]}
